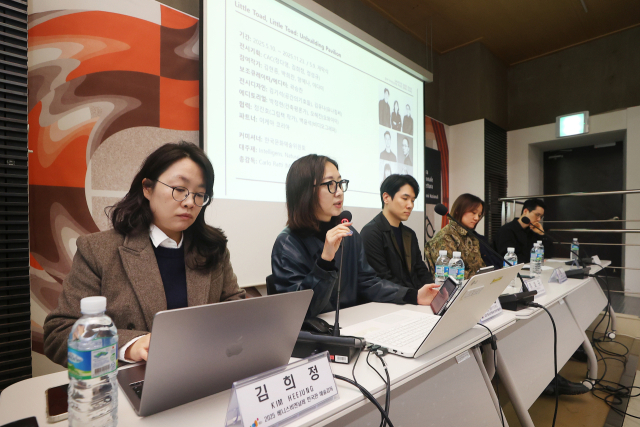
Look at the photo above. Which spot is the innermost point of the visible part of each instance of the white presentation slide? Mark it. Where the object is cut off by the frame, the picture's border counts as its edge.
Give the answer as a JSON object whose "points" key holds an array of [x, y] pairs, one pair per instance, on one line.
{"points": [[280, 86]]}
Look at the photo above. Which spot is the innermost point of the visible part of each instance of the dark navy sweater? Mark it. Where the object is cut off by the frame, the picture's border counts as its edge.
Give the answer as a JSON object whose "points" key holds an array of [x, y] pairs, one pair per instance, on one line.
{"points": [[174, 275]]}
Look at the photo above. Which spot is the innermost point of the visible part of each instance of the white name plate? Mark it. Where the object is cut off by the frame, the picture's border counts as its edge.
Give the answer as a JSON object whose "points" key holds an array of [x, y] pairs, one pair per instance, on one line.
{"points": [[493, 311], [279, 396], [558, 276], [596, 260], [536, 285]]}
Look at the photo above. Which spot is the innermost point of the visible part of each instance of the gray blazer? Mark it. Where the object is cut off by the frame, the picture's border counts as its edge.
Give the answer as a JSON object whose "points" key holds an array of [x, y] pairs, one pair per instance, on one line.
{"points": [[125, 271]]}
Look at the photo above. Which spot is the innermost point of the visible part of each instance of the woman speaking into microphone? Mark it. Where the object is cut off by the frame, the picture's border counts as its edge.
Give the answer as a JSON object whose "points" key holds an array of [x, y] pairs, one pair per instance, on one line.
{"points": [[308, 253]]}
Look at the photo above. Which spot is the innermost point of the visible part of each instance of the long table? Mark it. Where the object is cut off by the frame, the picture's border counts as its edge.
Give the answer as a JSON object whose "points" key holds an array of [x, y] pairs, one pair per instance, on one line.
{"points": [[428, 390], [525, 350]]}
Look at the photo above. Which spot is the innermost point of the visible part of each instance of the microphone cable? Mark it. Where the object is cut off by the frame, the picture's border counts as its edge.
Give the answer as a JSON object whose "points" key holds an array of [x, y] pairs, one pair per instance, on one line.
{"points": [[377, 350], [494, 347], [384, 411], [368, 395], [614, 392], [555, 355]]}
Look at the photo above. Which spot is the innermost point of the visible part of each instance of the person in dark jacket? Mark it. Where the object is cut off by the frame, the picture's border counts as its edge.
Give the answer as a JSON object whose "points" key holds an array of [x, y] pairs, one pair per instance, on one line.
{"points": [[392, 248], [384, 111], [516, 234], [396, 117], [520, 236], [407, 122], [308, 253]]}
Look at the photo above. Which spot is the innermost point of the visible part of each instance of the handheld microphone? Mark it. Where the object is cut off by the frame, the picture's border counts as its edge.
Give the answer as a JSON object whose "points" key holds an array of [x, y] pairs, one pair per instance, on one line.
{"points": [[344, 218], [442, 210]]}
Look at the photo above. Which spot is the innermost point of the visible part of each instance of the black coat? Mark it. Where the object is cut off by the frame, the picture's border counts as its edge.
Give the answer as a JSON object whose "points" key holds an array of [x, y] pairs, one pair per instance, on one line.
{"points": [[384, 113], [407, 125], [512, 235], [294, 264], [384, 255]]}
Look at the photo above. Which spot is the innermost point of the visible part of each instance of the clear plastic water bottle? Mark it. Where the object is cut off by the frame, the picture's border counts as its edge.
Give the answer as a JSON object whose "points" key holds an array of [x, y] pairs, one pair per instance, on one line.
{"points": [[534, 261], [93, 363], [541, 249], [456, 268], [575, 249], [442, 268], [510, 259]]}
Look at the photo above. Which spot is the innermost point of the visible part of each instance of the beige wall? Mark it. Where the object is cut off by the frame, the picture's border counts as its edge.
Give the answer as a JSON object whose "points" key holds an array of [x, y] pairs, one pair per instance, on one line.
{"points": [[466, 161]]}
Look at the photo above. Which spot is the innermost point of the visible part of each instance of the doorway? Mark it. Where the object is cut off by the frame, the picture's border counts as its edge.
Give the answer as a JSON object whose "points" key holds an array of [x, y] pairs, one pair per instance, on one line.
{"points": [[586, 169]]}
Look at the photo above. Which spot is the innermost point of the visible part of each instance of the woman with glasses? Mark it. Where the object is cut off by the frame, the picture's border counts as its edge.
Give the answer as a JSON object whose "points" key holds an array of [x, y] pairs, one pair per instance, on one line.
{"points": [[314, 251], [159, 255], [468, 210]]}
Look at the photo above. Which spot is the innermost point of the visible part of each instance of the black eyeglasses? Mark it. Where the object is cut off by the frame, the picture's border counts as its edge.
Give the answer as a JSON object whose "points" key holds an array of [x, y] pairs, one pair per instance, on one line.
{"points": [[332, 185], [180, 194]]}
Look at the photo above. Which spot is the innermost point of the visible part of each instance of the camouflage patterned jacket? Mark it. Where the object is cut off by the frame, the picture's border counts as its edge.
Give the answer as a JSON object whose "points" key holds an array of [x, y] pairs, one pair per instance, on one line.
{"points": [[454, 238]]}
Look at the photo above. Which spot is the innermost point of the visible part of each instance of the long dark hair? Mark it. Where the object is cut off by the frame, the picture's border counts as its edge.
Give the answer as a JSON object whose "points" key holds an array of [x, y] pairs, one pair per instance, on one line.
{"points": [[394, 107], [132, 214], [302, 196], [465, 203]]}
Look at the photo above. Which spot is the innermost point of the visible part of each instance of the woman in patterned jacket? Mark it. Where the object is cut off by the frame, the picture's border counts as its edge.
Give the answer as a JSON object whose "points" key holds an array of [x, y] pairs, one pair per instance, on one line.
{"points": [[468, 210]]}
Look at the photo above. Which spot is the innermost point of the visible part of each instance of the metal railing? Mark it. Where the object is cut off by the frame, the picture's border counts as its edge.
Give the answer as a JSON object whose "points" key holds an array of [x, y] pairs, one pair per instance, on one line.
{"points": [[509, 213]]}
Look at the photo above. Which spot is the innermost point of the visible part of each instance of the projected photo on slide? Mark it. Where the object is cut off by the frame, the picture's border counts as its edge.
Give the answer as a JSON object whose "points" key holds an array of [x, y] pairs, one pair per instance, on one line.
{"points": [[386, 169], [407, 121], [396, 117], [384, 111], [387, 145], [405, 148]]}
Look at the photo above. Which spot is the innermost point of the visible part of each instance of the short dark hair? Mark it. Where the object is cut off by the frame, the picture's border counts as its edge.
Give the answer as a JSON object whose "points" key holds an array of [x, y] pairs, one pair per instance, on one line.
{"points": [[532, 204], [408, 107], [386, 90], [393, 183], [465, 203], [133, 214], [302, 196], [387, 133]]}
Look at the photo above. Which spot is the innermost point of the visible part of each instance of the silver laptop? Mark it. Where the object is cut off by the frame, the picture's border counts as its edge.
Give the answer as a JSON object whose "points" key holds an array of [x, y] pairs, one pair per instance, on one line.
{"points": [[412, 334], [198, 351]]}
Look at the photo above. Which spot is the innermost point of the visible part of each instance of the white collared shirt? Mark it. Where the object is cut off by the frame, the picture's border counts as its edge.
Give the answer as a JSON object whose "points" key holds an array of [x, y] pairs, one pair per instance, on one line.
{"points": [[158, 238]]}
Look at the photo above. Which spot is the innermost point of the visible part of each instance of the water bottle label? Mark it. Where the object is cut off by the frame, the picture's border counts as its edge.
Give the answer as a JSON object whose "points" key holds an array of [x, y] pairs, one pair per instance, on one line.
{"points": [[456, 273], [574, 248], [85, 365], [442, 271]]}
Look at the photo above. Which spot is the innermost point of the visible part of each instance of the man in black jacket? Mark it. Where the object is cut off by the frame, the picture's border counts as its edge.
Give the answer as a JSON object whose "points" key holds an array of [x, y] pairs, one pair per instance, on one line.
{"points": [[384, 111], [392, 248], [516, 234], [520, 236]]}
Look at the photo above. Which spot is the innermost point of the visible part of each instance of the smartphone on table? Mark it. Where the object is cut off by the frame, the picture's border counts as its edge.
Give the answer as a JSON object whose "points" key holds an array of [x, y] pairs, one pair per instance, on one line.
{"points": [[56, 398]]}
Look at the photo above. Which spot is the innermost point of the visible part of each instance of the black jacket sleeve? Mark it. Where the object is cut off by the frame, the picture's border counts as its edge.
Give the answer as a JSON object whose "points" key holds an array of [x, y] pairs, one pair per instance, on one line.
{"points": [[506, 238], [421, 269], [372, 288], [372, 242], [294, 273]]}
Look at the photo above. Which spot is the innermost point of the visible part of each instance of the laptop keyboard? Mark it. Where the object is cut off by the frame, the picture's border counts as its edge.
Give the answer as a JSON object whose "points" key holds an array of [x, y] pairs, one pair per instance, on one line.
{"points": [[404, 334], [137, 388]]}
